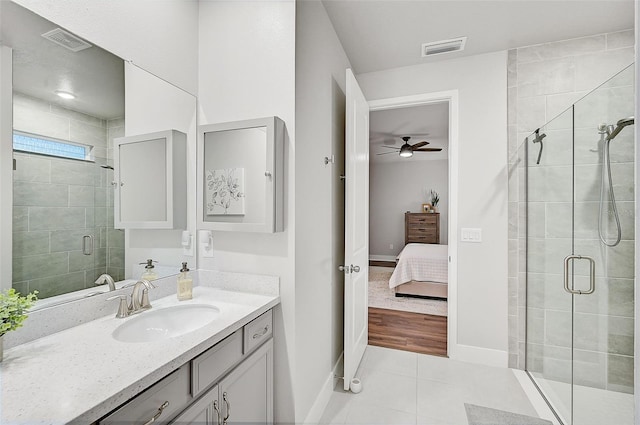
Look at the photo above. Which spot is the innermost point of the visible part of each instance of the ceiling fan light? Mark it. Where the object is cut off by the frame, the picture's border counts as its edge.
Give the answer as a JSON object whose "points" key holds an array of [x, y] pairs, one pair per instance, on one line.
{"points": [[65, 94], [405, 151]]}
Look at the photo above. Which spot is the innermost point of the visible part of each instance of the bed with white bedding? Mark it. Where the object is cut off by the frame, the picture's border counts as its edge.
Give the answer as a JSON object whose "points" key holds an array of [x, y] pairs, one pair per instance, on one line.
{"points": [[421, 270]]}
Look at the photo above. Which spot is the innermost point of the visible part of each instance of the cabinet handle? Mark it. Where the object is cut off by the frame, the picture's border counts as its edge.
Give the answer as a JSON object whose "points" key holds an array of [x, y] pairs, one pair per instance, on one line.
{"points": [[226, 417], [215, 407], [260, 334], [157, 415]]}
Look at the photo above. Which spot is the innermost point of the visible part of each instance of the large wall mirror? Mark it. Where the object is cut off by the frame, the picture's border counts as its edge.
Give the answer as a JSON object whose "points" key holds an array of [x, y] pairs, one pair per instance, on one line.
{"points": [[68, 106]]}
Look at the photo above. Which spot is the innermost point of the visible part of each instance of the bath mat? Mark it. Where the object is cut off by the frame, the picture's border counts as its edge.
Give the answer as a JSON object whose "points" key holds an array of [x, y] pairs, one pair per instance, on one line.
{"points": [[478, 415], [381, 296]]}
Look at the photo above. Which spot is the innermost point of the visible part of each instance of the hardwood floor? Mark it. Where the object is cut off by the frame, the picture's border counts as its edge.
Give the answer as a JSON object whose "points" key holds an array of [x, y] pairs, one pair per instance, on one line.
{"points": [[420, 333]]}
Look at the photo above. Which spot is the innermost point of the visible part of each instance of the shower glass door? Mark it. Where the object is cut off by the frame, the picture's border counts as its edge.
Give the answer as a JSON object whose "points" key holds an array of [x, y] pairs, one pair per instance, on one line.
{"points": [[549, 240], [603, 229], [580, 279]]}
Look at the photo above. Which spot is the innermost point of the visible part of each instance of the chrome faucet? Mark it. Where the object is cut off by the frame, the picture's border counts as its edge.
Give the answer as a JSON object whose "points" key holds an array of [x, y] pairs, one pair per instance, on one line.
{"points": [[139, 299], [105, 278]]}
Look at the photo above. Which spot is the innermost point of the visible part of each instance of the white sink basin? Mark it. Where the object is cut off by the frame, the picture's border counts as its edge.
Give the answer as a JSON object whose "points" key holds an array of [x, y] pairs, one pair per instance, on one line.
{"points": [[164, 323]]}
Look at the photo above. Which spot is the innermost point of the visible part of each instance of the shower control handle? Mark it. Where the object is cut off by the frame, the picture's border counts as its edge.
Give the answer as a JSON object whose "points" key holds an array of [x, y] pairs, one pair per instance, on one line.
{"points": [[592, 274]]}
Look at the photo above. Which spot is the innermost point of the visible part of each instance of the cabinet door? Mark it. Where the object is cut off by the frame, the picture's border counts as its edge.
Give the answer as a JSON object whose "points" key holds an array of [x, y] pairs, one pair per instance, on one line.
{"points": [[143, 180], [150, 181], [246, 394], [202, 412]]}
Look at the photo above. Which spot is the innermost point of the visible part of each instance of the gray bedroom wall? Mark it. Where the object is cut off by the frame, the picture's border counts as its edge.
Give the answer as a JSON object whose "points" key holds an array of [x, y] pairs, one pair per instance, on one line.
{"points": [[398, 187]]}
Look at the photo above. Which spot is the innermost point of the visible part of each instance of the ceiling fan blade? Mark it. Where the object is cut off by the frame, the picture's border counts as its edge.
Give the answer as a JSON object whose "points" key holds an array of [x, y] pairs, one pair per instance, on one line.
{"points": [[428, 150], [419, 144], [390, 147], [384, 153]]}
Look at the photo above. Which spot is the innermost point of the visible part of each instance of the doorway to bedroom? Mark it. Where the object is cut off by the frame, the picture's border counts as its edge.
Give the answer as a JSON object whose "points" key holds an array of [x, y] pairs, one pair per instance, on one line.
{"points": [[408, 227]]}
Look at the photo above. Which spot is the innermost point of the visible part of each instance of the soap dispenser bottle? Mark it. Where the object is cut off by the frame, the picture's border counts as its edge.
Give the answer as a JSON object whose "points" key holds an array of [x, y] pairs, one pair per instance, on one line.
{"points": [[149, 272], [185, 284]]}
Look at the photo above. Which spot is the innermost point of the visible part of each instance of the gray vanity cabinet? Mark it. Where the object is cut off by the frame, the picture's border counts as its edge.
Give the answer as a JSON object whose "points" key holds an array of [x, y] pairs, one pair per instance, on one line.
{"points": [[202, 412], [244, 396], [230, 383]]}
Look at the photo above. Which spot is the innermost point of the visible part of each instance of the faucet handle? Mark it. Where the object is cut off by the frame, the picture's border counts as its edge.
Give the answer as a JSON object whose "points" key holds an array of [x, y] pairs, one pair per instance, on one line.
{"points": [[144, 304], [145, 295], [123, 309]]}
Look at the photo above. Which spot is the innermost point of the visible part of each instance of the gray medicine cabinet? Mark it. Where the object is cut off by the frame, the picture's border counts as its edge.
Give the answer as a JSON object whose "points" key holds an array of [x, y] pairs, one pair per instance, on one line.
{"points": [[240, 175], [150, 186]]}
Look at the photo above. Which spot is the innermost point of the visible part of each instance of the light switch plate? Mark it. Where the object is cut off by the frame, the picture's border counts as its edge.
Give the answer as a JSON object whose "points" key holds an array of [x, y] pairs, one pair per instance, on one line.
{"points": [[469, 234], [205, 243]]}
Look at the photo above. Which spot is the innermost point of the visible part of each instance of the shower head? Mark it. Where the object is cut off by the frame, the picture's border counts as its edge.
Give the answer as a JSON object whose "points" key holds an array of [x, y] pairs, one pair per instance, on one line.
{"points": [[626, 121], [619, 126]]}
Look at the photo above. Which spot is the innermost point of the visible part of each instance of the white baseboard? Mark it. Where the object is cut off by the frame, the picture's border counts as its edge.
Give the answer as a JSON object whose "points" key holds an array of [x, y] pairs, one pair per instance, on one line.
{"points": [[485, 356], [322, 400], [391, 258]]}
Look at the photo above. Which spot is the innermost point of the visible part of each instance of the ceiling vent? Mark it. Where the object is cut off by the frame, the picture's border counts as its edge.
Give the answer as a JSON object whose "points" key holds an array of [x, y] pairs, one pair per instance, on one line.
{"points": [[443, 46], [66, 40]]}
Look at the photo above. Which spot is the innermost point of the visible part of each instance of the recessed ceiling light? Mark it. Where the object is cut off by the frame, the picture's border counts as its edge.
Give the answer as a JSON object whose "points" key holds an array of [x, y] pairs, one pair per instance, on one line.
{"points": [[65, 94]]}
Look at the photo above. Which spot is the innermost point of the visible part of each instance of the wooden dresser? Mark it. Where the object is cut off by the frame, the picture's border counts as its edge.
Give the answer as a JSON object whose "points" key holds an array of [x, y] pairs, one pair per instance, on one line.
{"points": [[421, 228]]}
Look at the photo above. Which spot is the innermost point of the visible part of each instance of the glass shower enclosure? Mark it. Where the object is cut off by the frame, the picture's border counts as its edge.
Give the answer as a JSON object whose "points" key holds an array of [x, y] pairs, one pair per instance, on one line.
{"points": [[580, 217]]}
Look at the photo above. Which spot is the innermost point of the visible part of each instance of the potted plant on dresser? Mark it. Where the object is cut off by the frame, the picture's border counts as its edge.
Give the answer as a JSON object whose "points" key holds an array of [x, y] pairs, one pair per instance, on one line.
{"points": [[13, 311], [435, 198]]}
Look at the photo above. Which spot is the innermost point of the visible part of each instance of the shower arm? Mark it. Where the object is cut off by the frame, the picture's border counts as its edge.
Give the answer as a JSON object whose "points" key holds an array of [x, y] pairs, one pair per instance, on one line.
{"points": [[538, 139]]}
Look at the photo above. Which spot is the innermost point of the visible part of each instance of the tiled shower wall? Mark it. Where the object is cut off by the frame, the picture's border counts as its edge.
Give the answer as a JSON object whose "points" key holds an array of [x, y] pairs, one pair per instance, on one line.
{"points": [[543, 81], [58, 201]]}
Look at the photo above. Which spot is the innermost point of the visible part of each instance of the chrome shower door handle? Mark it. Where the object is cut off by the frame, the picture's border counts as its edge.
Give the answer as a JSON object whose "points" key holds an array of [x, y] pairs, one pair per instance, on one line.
{"points": [[87, 244], [592, 274]]}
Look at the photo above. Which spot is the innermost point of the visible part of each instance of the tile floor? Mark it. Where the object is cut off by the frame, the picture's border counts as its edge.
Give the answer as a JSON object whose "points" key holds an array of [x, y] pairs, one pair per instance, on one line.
{"points": [[400, 387], [592, 406]]}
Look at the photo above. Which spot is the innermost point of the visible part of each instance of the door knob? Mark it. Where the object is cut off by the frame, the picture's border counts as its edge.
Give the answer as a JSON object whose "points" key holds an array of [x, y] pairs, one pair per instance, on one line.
{"points": [[355, 269], [344, 269]]}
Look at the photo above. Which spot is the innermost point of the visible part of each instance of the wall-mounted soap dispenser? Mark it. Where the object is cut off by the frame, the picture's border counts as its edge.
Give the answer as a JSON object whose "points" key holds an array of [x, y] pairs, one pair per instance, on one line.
{"points": [[149, 271]]}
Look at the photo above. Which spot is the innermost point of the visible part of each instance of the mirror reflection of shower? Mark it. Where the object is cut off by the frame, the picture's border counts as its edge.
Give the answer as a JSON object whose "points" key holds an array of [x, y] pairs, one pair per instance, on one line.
{"points": [[607, 134]]}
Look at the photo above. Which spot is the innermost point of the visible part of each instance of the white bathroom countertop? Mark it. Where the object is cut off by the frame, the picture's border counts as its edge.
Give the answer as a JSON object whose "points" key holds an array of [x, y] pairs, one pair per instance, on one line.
{"points": [[82, 373]]}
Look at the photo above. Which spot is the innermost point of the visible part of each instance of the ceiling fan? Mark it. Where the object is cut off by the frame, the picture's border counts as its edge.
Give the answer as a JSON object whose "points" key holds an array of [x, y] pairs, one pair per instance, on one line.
{"points": [[407, 150]]}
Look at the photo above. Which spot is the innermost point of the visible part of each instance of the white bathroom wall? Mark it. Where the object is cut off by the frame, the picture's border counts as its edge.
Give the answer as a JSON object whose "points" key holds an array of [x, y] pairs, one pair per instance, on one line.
{"points": [[481, 82], [247, 70], [320, 114], [160, 36], [400, 186]]}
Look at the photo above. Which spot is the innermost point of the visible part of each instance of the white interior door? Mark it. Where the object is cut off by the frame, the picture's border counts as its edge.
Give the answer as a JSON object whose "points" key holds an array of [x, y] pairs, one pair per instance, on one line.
{"points": [[356, 251]]}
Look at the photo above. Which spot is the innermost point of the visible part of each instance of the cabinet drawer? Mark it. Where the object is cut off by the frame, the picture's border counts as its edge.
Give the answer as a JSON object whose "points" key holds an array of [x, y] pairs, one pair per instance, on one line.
{"points": [[423, 239], [422, 219], [212, 364], [420, 230], [258, 331], [173, 389]]}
